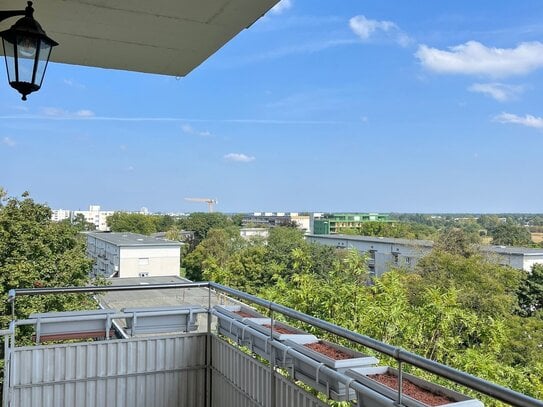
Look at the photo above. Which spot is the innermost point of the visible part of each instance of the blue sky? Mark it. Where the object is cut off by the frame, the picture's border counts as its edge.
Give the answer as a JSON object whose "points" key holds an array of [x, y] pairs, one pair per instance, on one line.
{"points": [[326, 106]]}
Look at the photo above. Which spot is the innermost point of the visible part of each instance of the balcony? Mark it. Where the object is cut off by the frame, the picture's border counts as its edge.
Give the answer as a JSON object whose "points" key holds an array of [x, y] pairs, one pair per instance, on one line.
{"points": [[173, 359]]}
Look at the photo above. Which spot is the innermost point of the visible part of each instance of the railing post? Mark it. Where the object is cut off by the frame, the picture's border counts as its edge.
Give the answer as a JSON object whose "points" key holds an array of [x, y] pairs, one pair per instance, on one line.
{"points": [[400, 382], [272, 361], [208, 350]]}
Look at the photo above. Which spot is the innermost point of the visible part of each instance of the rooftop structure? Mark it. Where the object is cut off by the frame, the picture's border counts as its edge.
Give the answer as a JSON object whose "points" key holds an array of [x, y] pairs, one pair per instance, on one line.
{"points": [[124, 254], [159, 357], [334, 223], [385, 252]]}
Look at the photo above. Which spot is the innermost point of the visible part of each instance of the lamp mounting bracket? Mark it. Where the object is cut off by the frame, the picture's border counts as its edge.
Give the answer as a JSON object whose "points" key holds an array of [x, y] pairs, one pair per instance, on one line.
{"points": [[28, 11]]}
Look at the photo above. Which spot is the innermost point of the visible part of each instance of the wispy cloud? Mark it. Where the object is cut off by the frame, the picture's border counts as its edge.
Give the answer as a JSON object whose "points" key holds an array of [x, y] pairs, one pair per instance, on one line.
{"points": [[73, 84], [310, 47], [25, 117], [188, 129], [8, 141], [61, 113], [499, 91], [365, 29], [474, 58], [282, 6], [527, 120], [239, 157]]}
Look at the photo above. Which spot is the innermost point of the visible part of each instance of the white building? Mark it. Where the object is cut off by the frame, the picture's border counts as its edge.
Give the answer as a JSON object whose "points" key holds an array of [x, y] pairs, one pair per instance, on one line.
{"points": [[131, 255], [248, 233], [94, 215], [384, 252]]}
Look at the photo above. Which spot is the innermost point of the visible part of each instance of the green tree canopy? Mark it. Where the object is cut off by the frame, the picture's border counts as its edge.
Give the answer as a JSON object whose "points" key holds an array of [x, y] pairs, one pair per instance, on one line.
{"points": [[511, 234]]}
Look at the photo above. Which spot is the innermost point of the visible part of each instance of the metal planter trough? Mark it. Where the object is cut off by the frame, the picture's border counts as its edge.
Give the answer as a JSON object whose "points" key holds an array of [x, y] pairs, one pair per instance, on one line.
{"points": [[344, 360], [161, 319], [416, 392], [281, 332], [73, 325], [227, 314]]}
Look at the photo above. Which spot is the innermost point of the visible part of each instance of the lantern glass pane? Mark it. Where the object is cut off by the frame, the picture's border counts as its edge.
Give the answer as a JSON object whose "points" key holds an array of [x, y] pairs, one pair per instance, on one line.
{"points": [[9, 52], [45, 51], [26, 54]]}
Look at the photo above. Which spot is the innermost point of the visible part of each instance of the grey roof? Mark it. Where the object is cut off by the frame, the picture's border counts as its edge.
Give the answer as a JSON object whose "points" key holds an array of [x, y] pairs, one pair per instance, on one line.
{"points": [[526, 251], [125, 239], [390, 240]]}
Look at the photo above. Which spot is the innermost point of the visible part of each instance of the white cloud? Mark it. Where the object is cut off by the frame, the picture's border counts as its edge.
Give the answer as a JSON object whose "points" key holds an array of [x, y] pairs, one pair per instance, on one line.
{"points": [[365, 28], [8, 142], [238, 157], [474, 58], [73, 84], [84, 113], [528, 120], [499, 91], [188, 129], [281, 7], [61, 113]]}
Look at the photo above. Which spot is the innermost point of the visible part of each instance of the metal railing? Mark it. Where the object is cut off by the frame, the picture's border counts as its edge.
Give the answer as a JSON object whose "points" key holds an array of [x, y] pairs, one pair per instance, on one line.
{"points": [[400, 355]]}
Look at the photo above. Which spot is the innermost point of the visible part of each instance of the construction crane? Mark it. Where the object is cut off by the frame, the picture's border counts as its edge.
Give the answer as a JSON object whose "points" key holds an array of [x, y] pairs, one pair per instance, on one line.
{"points": [[209, 201]]}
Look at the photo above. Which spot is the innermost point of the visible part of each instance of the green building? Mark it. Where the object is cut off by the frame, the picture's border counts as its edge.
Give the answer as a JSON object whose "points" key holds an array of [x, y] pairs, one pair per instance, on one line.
{"points": [[335, 222]]}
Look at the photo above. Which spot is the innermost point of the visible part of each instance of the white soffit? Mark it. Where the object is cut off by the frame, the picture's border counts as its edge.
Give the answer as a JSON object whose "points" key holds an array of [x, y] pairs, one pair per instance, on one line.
{"points": [[170, 37]]}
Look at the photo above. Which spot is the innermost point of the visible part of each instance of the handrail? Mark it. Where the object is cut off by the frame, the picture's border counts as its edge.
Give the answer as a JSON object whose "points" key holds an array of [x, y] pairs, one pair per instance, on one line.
{"points": [[483, 386]]}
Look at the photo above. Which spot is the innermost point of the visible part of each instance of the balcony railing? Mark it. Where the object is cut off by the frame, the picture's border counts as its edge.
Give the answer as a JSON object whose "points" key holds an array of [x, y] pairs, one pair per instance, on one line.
{"points": [[280, 354]]}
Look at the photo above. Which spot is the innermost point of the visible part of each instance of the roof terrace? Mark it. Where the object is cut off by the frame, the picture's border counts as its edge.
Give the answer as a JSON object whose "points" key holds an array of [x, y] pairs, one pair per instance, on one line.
{"points": [[158, 356]]}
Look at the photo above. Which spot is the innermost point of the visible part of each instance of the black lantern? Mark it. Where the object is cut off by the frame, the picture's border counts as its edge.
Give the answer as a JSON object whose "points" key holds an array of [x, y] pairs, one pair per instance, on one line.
{"points": [[26, 49]]}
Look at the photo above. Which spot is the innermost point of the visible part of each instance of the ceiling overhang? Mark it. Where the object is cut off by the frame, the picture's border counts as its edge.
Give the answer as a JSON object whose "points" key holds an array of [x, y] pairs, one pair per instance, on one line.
{"points": [[170, 37]]}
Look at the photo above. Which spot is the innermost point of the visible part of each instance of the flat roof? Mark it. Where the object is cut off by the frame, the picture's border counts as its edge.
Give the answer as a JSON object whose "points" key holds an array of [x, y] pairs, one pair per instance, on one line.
{"points": [[126, 239], [527, 251]]}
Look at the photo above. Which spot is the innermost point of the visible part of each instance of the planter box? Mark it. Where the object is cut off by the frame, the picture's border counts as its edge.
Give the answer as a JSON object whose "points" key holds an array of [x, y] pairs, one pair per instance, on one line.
{"points": [[73, 325], [455, 399], [161, 319], [322, 382], [234, 311], [283, 332], [227, 314]]}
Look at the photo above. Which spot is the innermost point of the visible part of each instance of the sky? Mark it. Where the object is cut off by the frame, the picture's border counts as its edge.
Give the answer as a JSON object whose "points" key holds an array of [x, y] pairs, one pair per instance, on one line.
{"points": [[373, 105]]}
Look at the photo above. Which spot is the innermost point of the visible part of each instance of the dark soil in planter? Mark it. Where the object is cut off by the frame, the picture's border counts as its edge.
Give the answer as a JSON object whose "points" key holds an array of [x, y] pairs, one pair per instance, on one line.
{"points": [[329, 351], [244, 314], [280, 329], [412, 390]]}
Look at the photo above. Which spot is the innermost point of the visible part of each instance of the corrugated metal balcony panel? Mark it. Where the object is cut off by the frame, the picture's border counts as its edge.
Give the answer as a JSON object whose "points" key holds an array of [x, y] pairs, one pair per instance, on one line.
{"points": [[162, 372], [241, 380]]}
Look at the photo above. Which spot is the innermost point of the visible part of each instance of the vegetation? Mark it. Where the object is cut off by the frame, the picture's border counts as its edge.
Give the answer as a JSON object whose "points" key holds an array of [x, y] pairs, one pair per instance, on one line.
{"points": [[456, 307]]}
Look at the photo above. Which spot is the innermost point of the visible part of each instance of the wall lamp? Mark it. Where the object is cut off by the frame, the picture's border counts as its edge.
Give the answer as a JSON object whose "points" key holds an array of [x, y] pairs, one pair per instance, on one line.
{"points": [[26, 49]]}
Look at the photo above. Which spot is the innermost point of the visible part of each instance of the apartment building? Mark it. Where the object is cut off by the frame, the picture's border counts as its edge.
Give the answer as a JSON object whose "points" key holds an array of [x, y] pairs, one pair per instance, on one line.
{"points": [[94, 215], [384, 252], [125, 254]]}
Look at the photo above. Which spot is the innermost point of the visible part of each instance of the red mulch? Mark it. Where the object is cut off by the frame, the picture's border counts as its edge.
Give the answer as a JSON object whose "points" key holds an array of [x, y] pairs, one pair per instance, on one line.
{"points": [[329, 351], [280, 329], [412, 390], [244, 314]]}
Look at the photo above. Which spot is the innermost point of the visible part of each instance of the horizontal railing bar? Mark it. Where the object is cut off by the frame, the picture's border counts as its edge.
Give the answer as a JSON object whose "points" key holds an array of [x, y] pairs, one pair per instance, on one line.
{"points": [[490, 389], [97, 289], [485, 387]]}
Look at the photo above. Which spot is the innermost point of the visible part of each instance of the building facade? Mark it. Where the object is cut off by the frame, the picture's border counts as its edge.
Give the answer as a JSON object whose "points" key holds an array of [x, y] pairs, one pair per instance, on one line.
{"points": [[334, 223], [132, 255], [385, 252], [94, 215]]}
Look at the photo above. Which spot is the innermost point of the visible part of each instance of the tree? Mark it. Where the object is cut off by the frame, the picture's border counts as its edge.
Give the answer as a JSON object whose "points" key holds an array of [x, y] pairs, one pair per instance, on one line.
{"points": [[79, 223], [530, 293], [131, 222], [511, 234], [457, 241], [36, 252], [201, 223]]}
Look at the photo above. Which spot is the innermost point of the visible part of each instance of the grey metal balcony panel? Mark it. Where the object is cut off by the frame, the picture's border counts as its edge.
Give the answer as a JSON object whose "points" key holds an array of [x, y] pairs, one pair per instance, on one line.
{"points": [[239, 380], [159, 371]]}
